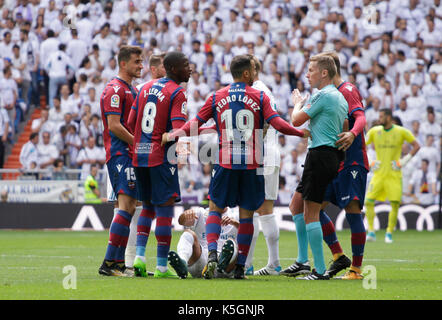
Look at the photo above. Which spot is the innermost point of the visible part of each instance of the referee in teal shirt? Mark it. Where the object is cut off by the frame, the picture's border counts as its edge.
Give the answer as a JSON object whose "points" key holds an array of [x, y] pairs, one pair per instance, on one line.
{"points": [[327, 110]]}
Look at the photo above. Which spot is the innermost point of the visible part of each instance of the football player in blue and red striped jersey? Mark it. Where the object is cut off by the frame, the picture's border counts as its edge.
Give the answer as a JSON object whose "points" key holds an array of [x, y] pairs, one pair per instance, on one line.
{"points": [[239, 112], [115, 103], [160, 106]]}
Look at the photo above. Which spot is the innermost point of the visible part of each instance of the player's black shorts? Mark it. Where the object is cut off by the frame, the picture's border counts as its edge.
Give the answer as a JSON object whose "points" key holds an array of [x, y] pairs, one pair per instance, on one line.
{"points": [[320, 168]]}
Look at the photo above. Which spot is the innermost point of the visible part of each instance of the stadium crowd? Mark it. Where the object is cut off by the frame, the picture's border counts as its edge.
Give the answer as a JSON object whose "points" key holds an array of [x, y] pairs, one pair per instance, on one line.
{"points": [[66, 50]]}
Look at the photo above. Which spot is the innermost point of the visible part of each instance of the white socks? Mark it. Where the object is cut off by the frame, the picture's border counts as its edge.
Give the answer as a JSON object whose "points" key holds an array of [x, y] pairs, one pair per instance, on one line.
{"points": [[270, 230], [185, 246], [132, 240]]}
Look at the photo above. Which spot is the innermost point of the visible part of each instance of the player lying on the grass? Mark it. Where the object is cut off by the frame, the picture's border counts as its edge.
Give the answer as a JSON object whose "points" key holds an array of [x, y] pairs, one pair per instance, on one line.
{"points": [[192, 252]]}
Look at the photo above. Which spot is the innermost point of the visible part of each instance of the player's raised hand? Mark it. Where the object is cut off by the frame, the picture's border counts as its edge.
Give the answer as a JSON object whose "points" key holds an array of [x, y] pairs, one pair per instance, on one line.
{"points": [[188, 218], [345, 140], [297, 98]]}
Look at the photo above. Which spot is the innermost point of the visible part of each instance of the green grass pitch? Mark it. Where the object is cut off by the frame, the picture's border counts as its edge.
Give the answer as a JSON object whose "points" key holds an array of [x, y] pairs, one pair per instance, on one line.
{"points": [[32, 264]]}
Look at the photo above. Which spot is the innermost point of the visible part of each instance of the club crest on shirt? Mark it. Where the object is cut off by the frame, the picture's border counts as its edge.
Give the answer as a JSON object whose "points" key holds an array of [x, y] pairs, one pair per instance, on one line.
{"points": [[115, 101]]}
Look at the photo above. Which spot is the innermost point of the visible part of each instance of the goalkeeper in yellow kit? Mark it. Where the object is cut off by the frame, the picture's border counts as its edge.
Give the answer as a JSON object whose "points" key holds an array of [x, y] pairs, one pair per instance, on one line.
{"points": [[386, 183]]}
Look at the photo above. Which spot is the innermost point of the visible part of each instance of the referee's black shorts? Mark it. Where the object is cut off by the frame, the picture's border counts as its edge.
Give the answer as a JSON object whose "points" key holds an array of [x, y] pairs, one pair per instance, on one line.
{"points": [[320, 168]]}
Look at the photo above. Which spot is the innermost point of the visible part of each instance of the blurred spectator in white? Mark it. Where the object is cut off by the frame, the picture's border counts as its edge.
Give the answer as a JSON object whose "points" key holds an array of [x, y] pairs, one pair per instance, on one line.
{"points": [[90, 154], [85, 27], [422, 185], [47, 151], [4, 131], [6, 45], [9, 95], [404, 88], [106, 42], [432, 93], [57, 67], [74, 144], [417, 133], [388, 100], [430, 125], [281, 91], [420, 75], [67, 121], [96, 127], [19, 62], [30, 51], [29, 154], [93, 101], [405, 114], [77, 49], [372, 114], [95, 10], [47, 47], [56, 114], [59, 141], [430, 152], [43, 124], [195, 83], [67, 105], [404, 37], [416, 102], [76, 97], [210, 71], [110, 70], [403, 64], [194, 104]]}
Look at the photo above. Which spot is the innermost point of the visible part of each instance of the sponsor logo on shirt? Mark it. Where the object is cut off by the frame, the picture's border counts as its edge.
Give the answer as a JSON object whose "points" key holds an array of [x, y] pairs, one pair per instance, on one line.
{"points": [[143, 148]]}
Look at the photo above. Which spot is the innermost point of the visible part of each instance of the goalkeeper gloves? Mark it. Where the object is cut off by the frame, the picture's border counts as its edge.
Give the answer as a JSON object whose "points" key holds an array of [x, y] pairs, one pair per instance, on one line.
{"points": [[398, 164], [375, 165]]}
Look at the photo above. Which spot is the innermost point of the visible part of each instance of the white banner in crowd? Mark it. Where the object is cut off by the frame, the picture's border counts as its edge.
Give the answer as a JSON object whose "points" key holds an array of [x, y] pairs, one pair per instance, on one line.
{"points": [[44, 191]]}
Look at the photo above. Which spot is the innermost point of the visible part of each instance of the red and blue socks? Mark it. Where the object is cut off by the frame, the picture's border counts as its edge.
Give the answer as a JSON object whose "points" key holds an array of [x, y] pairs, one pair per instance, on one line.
{"points": [[163, 233], [143, 228], [329, 234], [244, 239], [358, 236], [118, 235], [213, 230]]}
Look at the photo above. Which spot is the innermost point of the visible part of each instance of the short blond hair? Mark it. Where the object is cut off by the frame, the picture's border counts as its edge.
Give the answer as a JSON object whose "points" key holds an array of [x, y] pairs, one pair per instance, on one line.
{"points": [[325, 62], [335, 58]]}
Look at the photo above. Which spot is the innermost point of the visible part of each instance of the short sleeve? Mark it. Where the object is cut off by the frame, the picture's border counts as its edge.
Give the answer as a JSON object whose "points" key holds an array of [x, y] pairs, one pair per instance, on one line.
{"points": [[179, 107], [206, 111], [314, 105], [113, 100], [408, 136]]}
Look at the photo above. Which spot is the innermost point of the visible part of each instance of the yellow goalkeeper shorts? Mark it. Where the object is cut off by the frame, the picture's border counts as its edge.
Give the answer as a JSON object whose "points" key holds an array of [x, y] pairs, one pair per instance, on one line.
{"points": [[384, 187]]}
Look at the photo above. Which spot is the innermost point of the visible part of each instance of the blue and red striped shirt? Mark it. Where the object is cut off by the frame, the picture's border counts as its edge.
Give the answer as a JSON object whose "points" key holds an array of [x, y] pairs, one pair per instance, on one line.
{"points": [[117, 98], [160, 106]]}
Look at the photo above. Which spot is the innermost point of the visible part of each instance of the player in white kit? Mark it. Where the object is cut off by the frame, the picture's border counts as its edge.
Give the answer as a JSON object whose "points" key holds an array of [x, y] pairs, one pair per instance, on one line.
{"points": [[192, 251], [267, 219]]}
